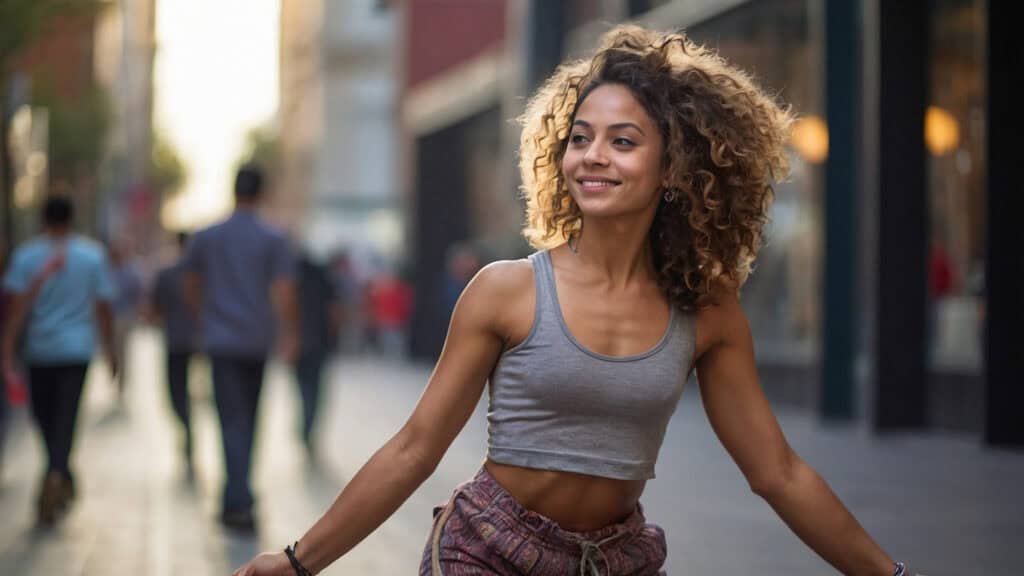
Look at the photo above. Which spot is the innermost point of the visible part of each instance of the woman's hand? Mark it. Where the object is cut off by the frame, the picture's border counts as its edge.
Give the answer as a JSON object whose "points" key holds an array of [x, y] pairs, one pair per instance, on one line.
{"points": [[267, 564]]}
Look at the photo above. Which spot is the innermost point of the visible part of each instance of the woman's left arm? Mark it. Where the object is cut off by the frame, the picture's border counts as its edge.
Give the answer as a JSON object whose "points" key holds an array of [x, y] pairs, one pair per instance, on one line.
{"points": [[741, 417]]}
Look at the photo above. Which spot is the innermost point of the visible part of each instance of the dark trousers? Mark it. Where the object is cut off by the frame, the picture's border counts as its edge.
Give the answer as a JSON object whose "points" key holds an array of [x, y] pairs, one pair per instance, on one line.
{"points": [[56, 391], [177, 383], [236, 389], [308, 373]]}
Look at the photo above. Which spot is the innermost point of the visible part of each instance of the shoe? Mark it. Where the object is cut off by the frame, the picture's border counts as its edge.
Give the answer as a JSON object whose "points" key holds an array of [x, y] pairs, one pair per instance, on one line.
{"points": [[67, 486], [239, 521], [51, 498]]}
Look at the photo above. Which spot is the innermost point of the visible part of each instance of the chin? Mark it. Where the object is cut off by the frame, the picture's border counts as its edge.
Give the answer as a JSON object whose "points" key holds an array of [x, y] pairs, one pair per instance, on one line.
{"points": [[606, 208], [603, 212]]}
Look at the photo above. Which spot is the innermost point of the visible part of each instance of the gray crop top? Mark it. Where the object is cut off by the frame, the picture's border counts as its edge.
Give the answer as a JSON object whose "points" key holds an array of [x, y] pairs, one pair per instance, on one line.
{"points": [[555, 405]]}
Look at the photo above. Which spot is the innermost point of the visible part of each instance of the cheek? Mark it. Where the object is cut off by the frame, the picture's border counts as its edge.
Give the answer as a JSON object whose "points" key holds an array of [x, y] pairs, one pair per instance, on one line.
{"points": [[570, 159], [643, 171], [570, 162], [647, 170]]}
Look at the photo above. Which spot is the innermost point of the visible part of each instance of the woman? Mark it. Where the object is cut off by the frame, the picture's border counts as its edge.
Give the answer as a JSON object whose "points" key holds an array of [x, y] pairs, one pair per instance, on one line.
{"points": [[647, 171]]}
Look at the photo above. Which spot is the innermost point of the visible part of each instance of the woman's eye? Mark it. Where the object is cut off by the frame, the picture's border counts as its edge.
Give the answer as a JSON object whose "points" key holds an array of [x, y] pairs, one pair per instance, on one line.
{"points": [[623, 142], [577, 138]]}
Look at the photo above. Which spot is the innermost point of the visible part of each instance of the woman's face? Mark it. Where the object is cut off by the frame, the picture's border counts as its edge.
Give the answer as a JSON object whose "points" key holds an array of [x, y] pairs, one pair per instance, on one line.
{"points": [[612, 163]]}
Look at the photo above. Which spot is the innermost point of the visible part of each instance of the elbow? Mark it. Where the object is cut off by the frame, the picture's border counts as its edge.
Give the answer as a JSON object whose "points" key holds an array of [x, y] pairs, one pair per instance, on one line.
{"points": [[415, 452], [776, 480]]}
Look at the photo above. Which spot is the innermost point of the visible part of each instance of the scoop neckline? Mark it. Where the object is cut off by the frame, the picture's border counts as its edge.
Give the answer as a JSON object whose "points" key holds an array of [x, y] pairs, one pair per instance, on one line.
{"points": [[569, 335]]}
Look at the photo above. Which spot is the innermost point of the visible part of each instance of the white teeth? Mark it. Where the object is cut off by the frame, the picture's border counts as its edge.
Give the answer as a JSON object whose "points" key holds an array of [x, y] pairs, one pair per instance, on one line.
{"points": [[596, 183]]}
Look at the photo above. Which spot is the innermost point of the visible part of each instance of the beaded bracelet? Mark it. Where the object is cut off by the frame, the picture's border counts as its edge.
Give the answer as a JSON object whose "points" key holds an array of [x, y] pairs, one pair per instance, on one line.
{"points": [[901, 569], [300, 570]]}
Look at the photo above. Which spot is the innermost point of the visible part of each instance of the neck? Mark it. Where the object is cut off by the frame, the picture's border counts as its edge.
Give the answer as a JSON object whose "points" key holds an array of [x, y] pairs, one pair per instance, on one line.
{"points": [[617, 250], [57, 232]]}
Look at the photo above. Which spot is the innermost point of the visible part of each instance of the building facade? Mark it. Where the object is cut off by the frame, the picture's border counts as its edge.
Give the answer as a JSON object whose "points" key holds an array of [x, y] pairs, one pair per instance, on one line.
{"points": [[459, 73], [338, 127], [125, 47]]}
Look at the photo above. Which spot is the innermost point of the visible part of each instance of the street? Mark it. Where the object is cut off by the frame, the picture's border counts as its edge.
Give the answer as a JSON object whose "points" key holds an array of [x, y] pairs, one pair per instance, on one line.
{"points": [[941, 502]]}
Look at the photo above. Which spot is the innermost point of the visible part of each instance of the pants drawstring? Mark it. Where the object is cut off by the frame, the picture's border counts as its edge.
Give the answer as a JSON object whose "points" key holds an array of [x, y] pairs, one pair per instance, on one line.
{"points": [[589, 558], [435, 546]]}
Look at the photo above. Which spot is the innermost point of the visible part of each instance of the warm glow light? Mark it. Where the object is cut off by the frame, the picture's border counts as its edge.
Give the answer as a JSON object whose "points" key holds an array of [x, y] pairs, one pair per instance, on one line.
{"points": [[216, 78], [24, 193], [36, 164], [810, 139], [941, 131]]}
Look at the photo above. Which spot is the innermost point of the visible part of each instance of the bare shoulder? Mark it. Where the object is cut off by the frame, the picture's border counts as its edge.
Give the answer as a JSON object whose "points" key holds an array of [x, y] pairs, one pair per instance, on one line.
{"points": [[723, 321], [503, 293], [504, 278]]}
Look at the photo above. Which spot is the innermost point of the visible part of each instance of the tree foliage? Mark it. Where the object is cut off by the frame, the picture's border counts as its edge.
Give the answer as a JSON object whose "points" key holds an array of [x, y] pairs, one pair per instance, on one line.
{"points": [[166, 172], [262, 147], [78, 130], [20, 21]]}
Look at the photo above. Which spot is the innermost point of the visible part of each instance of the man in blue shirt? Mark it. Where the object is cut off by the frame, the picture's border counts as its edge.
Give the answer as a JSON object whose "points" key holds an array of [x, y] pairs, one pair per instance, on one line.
{"points": [[238, 279], [180, 342], [128, 282], [60, 289], [319, 320]]}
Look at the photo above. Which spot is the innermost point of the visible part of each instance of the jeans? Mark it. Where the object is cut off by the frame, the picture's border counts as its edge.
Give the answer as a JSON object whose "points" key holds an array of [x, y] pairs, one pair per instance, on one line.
{"points": [[236, 388], [177, 384], [308, 373], [56, 391]]}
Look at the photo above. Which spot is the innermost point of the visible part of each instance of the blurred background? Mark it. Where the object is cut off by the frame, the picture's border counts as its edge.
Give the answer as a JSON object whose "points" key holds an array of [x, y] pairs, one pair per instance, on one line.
{"points": [[885, 300]]}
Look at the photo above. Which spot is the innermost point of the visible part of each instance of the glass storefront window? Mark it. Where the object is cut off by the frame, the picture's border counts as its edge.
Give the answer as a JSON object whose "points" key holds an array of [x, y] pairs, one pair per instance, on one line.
{"points": [[780, 43], [955, 142]]}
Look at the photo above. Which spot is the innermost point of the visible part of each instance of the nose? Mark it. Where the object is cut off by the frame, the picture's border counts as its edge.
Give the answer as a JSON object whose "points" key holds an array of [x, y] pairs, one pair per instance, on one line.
{"points": [[595, 155]]}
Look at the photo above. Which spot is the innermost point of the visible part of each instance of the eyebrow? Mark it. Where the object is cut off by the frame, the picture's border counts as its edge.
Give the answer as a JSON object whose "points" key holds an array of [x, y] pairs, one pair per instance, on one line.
{"points": [[616, 126]]}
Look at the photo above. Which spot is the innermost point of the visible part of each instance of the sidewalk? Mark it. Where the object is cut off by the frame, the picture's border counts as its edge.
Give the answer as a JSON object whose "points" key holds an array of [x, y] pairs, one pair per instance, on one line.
{"points": [[940, 501]]}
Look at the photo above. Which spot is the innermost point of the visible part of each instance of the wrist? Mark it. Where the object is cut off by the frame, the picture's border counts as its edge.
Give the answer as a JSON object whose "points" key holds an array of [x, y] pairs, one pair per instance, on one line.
{"points": [[284, 565], [298, 568]]}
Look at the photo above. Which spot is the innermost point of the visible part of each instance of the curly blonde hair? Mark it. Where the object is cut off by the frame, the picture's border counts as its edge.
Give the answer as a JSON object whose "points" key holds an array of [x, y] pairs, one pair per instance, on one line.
{"points": [[724, 147]]}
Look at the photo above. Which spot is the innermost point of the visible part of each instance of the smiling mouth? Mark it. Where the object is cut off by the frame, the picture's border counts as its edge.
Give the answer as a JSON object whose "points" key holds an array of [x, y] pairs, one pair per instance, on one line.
{"points": [[593, 184]]}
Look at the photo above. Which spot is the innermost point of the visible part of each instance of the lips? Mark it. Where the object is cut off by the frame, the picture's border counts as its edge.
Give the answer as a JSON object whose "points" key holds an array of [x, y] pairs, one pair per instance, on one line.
{"points": [[596, 183]]}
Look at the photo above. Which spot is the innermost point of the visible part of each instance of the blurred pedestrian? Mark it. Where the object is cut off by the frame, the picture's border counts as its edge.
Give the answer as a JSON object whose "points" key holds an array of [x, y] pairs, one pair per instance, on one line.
{"points": [[4, 410], [461, 264], [61, 289], [390, 301], [351, 310], [167, 306], [319, 321], [127, 304], [239, 280], [647, 171]]}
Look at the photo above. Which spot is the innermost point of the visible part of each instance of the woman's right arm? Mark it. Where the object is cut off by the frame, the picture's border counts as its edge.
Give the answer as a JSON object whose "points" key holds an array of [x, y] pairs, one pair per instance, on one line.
{"points": [[393, 473]]}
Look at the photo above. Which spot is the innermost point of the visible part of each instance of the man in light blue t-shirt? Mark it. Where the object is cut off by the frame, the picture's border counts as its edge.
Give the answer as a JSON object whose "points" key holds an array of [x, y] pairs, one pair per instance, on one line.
{"points": [[60, 291]]}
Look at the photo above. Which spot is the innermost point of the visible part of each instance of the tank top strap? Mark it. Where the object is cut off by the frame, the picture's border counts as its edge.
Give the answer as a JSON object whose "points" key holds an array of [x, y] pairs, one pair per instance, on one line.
{"points": [[685, 325], [544, 280]]}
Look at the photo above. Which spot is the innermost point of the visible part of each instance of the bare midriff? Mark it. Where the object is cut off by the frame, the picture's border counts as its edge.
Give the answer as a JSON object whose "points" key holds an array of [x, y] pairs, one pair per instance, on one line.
{"points": [[576, 502]]}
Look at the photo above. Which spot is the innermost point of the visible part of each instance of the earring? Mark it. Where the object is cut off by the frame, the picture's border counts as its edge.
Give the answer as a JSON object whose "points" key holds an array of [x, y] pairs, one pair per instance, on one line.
{"points": [[670, 195]]}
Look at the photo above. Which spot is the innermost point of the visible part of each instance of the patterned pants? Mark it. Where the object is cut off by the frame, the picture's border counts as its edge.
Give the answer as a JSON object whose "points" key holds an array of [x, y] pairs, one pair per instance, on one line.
{"points": [[483, 530]]}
